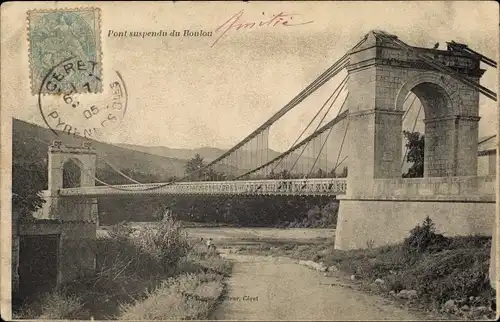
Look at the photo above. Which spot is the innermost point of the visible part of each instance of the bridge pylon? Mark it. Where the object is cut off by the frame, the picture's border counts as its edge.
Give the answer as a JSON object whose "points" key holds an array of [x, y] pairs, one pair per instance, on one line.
{"points": [[380, 207], [69, 166]]}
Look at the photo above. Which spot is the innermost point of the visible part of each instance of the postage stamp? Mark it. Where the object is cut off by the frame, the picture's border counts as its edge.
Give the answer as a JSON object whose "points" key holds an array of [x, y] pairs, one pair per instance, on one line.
{"points": [[60, 34]]}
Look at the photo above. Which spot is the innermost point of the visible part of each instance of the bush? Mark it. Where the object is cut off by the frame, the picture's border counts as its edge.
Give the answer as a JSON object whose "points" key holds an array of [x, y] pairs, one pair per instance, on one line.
{"points": [[121, 231], [424, 238], [130, 267], [445, 275], [56, 305], [322, 216], [168, 241]]}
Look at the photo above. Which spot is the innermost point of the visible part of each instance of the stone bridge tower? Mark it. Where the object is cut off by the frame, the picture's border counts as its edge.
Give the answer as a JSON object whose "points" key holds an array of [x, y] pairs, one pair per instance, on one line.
{"points": [[64, 161], [380, 207], [381, 75], [64, 229]]}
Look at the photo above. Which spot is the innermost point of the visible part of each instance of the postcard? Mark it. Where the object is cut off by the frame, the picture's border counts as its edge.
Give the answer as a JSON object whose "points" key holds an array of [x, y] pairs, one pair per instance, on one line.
{"points": [[241, 160]]}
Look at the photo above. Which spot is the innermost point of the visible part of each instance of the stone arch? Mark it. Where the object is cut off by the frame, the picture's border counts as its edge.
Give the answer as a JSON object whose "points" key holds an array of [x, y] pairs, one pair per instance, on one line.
{"points": [[442, 104], [424, 85], [60, 157]]}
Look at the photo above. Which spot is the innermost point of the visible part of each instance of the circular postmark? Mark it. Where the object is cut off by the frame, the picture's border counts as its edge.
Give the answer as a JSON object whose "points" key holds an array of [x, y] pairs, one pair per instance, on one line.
{"points": [[68, 102]]}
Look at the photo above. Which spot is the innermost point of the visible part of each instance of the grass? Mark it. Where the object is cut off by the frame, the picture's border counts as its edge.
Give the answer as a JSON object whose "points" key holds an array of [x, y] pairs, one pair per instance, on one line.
{"points": [[193, 295], [53, 306], [188, 297], [138, 277], [437, 267]]}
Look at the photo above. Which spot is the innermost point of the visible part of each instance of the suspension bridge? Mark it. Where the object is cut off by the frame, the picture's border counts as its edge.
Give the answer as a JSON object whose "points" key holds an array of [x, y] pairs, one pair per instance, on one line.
{"points": [[385, 80]]}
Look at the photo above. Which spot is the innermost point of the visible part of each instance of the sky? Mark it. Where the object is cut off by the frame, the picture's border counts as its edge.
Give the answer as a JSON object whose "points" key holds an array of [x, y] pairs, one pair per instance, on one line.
{"points": [[187, 92]]}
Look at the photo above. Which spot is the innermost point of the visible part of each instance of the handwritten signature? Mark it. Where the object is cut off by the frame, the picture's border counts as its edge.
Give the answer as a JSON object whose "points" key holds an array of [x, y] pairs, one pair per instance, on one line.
{"points": [[235, 23]]}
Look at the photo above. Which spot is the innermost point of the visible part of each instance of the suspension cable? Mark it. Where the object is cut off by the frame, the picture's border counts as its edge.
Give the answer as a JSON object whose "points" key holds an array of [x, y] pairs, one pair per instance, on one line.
{"points": [[303, 95], [342, 144], [300, 155], [104, 183], [327, 75], [321, 121], [465, 49], [320, 150], [307, 139], [409, 108], [331, 72], [308, 125], [322, 79], [118, 170], [338, 165]]}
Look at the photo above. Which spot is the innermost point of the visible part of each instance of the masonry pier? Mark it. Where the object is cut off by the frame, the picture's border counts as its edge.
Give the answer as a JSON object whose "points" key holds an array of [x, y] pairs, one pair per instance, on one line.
{"points": [[379, 206]]}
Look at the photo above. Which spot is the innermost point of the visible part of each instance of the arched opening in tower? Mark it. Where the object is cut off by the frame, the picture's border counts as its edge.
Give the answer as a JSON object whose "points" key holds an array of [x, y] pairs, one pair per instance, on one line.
{"points": [[413, 142], [72, 173], [427, 149]]}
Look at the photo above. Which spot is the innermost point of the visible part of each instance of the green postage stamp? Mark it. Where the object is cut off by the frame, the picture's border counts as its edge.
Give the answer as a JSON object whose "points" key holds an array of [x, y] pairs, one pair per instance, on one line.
{"points": [[61, 35]]}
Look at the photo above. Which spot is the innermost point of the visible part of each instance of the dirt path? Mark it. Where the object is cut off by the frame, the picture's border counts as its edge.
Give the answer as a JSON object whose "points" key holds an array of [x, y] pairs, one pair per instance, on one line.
{"points": [[267, 288]]}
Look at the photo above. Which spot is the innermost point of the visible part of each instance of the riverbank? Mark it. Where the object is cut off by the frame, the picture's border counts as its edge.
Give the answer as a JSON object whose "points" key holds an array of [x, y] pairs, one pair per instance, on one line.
{"points": [[449, 278], [155, 273], [192, 295], [277, 288]]}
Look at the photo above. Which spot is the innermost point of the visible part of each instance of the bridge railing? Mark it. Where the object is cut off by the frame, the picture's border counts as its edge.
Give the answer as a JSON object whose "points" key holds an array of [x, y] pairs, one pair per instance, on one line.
{"points": [[322, 186]]}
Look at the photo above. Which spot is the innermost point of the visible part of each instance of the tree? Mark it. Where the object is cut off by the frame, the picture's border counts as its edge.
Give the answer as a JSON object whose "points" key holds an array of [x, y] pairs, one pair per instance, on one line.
{"points": [[343, 174], [195, 164], [285, 174], [415, 154], [212, 175], [320, 173], [334, 174], [27, 181]]}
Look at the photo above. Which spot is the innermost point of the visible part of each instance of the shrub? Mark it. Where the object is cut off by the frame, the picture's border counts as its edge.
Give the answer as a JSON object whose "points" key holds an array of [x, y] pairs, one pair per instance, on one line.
{"points": [[130, 268], [55, 305], [424, 238], [313, 214], [168, 241], [445, 275], [330, 213], [121, 231]]}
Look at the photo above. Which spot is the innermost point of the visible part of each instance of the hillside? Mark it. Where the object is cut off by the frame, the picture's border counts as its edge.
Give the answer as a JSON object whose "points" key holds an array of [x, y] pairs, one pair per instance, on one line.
{"points": [[207, 153], [30, 144], [210, 154], [35, 141]]}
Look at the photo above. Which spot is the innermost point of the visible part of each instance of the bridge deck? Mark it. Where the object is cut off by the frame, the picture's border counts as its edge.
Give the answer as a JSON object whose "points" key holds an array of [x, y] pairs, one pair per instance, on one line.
{"points": [[323, 186]]}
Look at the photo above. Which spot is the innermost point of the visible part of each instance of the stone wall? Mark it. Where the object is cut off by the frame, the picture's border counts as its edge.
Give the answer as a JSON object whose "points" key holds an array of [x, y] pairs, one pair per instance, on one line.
{"points": [[486, 164], [433, 188], [77, 250], [386, 213], [381, 222], [76, 255]]}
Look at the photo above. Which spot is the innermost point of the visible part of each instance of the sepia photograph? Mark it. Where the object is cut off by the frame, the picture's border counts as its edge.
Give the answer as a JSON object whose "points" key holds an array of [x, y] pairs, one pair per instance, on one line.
{"points": [[249, 160]]}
